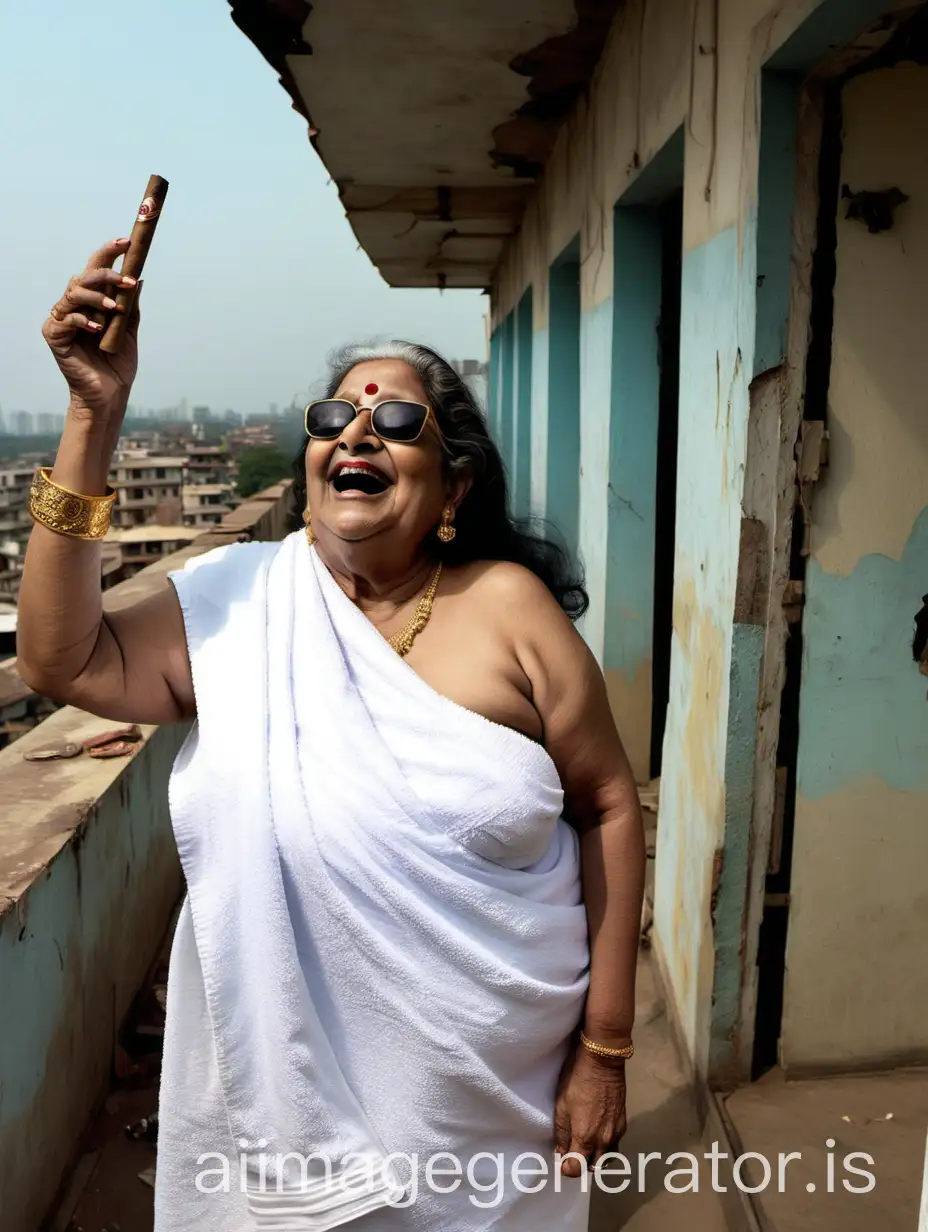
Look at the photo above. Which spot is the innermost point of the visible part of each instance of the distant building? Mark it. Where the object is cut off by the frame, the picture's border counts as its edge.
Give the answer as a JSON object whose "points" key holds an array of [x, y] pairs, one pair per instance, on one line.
{"points": [[257, 433], [48, 423], [475, 373], [148, 489], [23, 423], [143, 545], [207, 464], [205, 504], [15, 522]]}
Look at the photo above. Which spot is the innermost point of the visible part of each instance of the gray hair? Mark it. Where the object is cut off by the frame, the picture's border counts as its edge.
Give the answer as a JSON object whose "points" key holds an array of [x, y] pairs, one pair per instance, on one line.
{"points": [[449, 395], [485, 527]]}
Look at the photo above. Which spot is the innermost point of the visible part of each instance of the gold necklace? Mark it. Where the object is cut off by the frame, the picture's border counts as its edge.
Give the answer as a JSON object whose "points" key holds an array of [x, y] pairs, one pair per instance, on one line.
{"points": [[402, 641]]}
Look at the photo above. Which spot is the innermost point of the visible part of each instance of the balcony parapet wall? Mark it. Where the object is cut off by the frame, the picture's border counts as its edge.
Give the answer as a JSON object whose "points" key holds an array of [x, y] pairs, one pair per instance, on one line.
{"points": [[89, 877]]}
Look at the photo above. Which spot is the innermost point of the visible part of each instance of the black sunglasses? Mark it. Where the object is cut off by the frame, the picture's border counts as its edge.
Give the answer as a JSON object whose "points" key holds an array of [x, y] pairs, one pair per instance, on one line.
{"points": [[398, 422]]}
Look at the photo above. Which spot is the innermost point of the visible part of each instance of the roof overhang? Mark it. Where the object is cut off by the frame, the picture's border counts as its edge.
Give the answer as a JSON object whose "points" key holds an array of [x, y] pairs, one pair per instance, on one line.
{"points": [[434, 119]]}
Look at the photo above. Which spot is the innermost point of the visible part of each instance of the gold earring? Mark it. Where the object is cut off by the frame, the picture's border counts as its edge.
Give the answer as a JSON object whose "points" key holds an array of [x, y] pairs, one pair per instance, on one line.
{"points": [[446, 531], [308, 519]]}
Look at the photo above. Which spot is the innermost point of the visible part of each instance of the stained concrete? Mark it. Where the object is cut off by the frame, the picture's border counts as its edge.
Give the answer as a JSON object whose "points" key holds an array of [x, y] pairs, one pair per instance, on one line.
{"points": [[106, 1189], [661, 1118], [773, 1116]]}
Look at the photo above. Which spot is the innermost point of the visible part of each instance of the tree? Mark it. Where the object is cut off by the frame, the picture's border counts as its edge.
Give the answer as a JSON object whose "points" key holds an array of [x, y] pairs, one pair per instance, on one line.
{"points": [[259, 466]]}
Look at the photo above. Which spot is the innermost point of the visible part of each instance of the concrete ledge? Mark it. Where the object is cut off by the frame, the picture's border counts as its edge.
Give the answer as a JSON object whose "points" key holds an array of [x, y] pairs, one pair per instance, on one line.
{"points": [[89, 876]]}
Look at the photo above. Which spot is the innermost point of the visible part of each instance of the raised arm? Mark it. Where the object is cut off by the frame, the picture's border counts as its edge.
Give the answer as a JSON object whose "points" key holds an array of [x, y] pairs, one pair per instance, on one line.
{"points": [[131, 665]]}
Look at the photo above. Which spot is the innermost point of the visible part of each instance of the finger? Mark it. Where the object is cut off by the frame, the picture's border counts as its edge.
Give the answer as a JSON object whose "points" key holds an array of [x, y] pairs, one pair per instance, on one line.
{"points": [[561, 1129], [108, 253], [584, 1146], [103, 278], [60, 330], [108, 282], [77, 297]]}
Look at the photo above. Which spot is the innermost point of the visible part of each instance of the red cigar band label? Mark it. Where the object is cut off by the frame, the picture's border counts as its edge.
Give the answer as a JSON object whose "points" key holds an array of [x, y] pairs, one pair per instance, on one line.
{"points": [[148, 210]]}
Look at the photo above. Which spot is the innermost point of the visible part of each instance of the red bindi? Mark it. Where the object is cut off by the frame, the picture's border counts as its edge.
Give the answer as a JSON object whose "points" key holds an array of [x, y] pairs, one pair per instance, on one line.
{"points": [[371, 389]]}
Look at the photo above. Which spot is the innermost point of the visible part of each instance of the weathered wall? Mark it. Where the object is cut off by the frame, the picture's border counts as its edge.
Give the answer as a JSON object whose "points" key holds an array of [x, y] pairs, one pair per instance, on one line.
{"points": [[694, 66], [89, 877], [857, 980], [639, 100]]}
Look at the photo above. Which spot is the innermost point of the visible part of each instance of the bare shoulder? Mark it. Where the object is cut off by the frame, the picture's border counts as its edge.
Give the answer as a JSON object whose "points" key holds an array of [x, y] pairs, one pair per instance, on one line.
{"points": [[512, 586], [523, 610]]}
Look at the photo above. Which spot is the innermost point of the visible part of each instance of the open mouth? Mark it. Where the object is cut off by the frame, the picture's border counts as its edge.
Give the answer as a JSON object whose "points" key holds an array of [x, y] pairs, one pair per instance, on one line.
{"points": [[360, 479]]}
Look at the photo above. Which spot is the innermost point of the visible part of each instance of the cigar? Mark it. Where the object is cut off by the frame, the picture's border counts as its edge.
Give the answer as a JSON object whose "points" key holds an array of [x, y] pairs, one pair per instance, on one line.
{"points": [[133, 262]]}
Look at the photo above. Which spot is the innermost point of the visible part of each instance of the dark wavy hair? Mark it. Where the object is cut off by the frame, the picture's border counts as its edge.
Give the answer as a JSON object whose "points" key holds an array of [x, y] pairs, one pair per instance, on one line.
{"points": [[486, 530]]}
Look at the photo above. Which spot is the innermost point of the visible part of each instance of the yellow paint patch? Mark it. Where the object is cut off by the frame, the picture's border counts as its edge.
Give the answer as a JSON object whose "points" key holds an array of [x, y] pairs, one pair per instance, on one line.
{"points": [[630, 700], [856, 990], [697, 764]]}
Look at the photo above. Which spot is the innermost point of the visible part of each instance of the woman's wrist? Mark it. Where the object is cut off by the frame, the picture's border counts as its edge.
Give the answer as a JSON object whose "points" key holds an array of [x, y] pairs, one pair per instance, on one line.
{"points": [[86, 449], [96, 418], [608, 1034]]}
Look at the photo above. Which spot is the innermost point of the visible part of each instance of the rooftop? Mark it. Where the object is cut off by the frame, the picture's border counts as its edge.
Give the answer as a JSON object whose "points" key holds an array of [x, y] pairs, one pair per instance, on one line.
{"points": [[151, 534], [148, 460], [207, 489]]}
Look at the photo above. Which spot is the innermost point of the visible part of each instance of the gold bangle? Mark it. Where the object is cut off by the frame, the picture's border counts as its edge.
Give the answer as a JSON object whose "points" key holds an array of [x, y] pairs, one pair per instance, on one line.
{"points": [[67, 512], [600, 1050]]}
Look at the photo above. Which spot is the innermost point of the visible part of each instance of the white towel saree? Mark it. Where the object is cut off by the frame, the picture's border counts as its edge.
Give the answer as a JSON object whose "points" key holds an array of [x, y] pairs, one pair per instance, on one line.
{"points": [[383, 949]]}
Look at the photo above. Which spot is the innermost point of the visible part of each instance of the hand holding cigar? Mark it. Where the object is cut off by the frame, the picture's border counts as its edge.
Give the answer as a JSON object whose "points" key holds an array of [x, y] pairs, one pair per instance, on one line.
{"points": [[143, 232], [92, 329]]}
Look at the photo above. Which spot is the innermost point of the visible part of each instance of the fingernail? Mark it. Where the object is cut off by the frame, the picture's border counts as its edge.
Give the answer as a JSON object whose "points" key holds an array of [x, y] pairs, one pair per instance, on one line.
{"points": [[124, 240], [127, 281], [94, 325], [108, 303]]}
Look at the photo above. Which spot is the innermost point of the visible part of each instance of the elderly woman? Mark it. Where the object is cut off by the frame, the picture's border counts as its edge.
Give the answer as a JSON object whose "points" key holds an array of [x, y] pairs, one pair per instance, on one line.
{"points": [[402, 983]]}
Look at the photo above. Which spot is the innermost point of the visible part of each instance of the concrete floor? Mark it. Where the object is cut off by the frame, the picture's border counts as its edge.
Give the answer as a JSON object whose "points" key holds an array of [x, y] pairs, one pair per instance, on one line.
{"points": [[112, 1197], [107, 1193], [773, 1116], [769, 1117], [108, 1196], [661, 1118]]}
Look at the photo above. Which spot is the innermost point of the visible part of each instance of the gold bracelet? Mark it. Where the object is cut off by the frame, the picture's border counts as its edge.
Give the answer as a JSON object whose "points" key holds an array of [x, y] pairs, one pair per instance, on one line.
{"points": [[600, 1050], [67, 512]]}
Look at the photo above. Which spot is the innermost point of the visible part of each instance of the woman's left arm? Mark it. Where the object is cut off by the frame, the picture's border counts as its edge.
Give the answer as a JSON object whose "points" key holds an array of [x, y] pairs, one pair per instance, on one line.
{"points": [[601, 801]]}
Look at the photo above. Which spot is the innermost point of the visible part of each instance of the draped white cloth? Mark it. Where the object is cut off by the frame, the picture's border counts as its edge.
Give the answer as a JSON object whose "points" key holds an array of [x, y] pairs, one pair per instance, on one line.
{"points": [[383, 950]]}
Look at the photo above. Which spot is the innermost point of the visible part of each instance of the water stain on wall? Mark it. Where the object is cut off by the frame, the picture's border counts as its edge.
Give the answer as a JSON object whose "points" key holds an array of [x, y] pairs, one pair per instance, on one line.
{"points": [[699, 791]]}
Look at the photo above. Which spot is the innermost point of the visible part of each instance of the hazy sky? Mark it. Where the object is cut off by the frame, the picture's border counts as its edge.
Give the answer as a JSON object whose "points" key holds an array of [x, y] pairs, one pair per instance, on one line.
{"points": [[254, 273]]}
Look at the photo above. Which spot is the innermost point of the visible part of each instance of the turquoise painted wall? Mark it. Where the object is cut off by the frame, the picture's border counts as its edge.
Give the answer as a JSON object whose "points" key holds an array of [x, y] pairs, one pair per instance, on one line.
{"points": [[717, 342], [74, 952], [633, 440], [507, 391], [562, 478], [863, 706], [522, 420], [595, 405], [494, 398], [776, 196], [540, 441]]}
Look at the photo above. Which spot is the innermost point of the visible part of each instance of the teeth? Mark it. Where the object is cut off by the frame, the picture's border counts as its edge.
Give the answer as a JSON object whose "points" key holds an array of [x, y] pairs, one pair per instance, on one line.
{"points": [[360, 478]]}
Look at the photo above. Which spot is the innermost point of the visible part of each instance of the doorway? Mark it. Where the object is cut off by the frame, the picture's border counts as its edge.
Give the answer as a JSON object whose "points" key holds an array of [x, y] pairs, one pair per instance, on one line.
{"points": [[842, 983], [670, 216]]}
